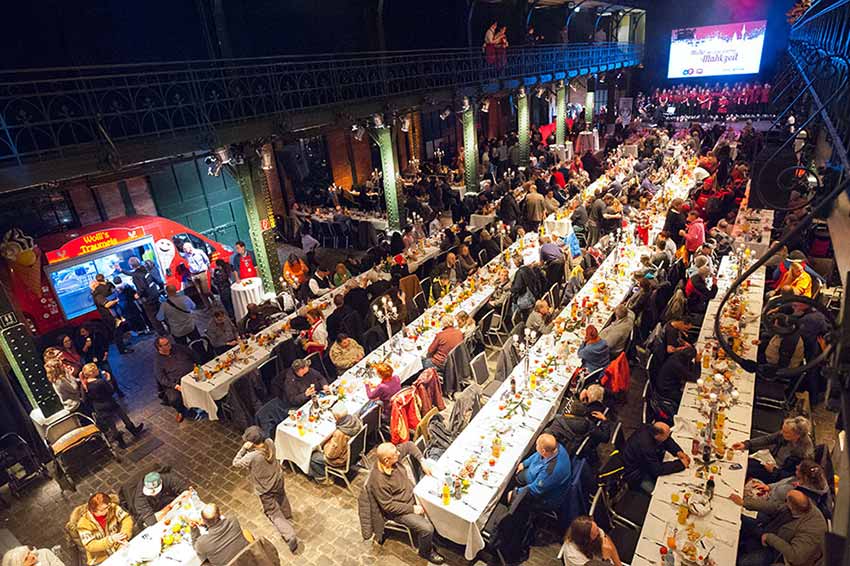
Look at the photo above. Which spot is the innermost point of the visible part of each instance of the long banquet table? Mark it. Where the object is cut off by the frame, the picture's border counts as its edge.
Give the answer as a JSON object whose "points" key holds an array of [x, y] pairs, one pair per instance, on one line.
{"points": [[719, 529], [296, 439], [553, 360], [234, 364]]}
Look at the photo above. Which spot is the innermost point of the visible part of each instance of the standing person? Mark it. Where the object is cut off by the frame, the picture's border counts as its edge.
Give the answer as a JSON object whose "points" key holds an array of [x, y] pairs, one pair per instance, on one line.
{"points": [[99, 389], [535, 207], [102, 292], [148, 289], [694, 236], [94, 348], [490, 43], [173, 361], [243, 263], [199, 264], [674, 222], [70, 355], [177, 312], [221, 282], [257, 455], [63, 381]]}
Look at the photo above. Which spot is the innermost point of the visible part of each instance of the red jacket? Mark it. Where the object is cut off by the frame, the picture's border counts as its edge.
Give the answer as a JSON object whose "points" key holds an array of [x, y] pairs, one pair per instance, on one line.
{"points": [[404, 416], [617, 375], [429, 391]]}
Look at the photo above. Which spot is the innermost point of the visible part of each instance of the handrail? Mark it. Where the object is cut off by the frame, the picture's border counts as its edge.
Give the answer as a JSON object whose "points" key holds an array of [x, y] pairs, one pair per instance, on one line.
{"points": [[45, 113]]}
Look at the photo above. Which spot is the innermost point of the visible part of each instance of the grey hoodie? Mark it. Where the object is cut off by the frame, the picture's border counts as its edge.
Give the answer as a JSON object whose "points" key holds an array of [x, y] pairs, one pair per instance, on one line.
{"points": [[263, 467]]}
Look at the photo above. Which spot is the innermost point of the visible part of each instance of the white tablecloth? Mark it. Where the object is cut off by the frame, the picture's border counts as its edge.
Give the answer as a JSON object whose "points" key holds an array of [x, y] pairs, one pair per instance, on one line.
{"points": [[753, 228], [406, 360], [179, 554], [558, 227], [723, 522], [244, 293], [481, 220], [462, 521], [630, 149], [204, 394]]}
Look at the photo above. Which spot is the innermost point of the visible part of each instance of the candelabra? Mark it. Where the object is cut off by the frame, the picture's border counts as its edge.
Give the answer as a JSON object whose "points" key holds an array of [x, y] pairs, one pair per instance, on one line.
{"points": [[418, 224], [387, 313], [377, 174], [439, 153], [523, 346], [502, 231]]}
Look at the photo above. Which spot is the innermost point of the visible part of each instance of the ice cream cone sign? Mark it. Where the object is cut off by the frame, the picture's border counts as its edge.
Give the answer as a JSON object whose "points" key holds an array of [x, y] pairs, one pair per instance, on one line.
{"points": [[23, 260]]}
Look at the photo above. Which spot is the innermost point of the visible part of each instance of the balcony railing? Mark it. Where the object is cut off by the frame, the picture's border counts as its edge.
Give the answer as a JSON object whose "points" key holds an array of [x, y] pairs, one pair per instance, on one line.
{"points": [[47, 113]]}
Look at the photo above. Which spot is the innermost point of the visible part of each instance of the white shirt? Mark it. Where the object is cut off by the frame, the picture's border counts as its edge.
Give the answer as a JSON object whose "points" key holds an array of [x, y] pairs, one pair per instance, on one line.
{"points": [[572, 556]]}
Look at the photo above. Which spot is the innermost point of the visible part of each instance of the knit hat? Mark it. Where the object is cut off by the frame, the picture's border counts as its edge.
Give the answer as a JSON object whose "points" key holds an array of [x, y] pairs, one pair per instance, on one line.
{"points": [[153, 484], [254, 435]]}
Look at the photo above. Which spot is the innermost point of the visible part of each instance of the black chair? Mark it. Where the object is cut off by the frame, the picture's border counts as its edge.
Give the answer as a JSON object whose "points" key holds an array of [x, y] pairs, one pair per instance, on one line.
{"points": [[425, 283], [420, 302], [340, 233], [268, 371], [371, 419], [482, 257], [768, 414], [483, 329], [624, 537], [202, 349]]}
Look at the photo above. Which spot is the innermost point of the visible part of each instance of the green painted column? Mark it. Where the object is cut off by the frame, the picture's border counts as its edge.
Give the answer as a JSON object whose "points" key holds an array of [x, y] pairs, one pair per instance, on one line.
{"points": [[385, 144], [23, 357], [470, 150], [523, 128], [561, 114], [589, 107], [261, 223]]}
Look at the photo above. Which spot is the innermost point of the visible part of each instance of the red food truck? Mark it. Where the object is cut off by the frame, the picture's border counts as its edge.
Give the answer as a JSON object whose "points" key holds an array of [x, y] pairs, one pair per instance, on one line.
{"points": [[50, 277]]}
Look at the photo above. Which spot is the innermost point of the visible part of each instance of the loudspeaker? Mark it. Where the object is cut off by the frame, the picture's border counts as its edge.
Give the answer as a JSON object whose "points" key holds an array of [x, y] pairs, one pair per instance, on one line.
{"points": [[764, 192]]}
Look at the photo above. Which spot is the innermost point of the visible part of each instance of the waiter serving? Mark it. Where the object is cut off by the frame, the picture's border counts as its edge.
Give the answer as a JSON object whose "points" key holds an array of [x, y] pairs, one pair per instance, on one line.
{"points": [[243, 262]]}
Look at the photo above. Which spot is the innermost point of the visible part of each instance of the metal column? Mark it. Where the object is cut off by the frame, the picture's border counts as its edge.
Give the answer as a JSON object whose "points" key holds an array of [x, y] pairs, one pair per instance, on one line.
{"points": [[523, 128], [384, 138], [261, 222], [561, 114], [470, 149]]}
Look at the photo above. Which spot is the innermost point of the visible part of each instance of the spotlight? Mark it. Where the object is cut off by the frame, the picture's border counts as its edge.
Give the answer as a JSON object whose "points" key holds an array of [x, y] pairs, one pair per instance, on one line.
{"points": [[447, 111], [266, 158], [223, 154], [521, 92], [405, 123], [378, 120], [359, 131], [485, 105], [577, 9], [465, 104]]}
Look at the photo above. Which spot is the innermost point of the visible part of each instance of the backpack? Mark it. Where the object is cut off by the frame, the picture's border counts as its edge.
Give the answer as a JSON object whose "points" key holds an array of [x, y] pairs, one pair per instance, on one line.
{"points": [[714, 207], [148, 287]]}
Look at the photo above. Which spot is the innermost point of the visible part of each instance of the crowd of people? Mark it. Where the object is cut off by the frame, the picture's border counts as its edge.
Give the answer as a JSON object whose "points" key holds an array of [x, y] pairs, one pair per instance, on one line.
{"points": [[695, 100], [670, 294]]}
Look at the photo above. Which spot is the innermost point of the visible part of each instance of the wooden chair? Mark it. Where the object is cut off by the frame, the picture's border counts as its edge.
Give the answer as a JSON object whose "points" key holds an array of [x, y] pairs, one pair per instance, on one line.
{"points": [[422, 427]]}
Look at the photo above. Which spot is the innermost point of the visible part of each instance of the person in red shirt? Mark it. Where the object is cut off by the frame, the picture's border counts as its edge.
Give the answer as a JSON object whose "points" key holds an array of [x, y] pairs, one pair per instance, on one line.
{"points": [[559, 177], [704, 101], [444, 342], [243, 262], [765, 98], [755, 98]]}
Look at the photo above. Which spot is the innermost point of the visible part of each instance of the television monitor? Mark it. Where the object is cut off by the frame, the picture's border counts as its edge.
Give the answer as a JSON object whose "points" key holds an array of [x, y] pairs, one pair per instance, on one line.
{"points": [[713, 51]]}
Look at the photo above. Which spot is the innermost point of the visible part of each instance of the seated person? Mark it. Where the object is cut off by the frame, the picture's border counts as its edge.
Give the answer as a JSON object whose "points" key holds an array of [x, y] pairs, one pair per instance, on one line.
{"points": [[810, 479], [104, 528], [316, 337], [788, 446], [345, 352], [387, 385], [444, 342], [320, 283], [489, 246], [301, 382], [616, 334], [585, 417], [680, 366], [586, 542], [30, 556], [798, 279], [785, 349], [540, 318], [173, 361], [441, 286], [222, 539], [221, 332], [254, 320], [697, 290], [453, 268], [675, 336], [594, 352], [392, 490], [465, 323], [153, 493], [295, 271], [466, 261], [544, 476], [334, 452], [793, 533], [643, 456]]}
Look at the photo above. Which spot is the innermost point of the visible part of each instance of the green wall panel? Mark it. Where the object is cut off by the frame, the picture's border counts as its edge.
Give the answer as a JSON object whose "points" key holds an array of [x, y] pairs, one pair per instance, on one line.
{"points": [[212, 206]]}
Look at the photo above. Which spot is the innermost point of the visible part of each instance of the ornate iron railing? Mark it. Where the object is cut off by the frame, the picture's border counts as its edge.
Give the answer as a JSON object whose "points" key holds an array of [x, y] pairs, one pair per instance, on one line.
{"points": [[49, 113]]}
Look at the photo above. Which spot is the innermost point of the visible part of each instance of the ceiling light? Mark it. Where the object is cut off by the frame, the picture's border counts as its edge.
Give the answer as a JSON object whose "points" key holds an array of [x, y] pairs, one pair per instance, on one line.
{"points": [[577, 9]]}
